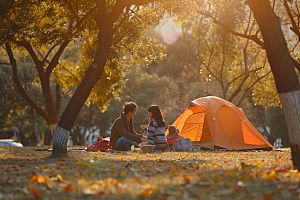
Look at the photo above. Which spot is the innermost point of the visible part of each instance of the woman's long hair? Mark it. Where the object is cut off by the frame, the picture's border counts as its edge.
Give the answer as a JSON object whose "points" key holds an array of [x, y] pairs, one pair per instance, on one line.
{"points": [[157, 115]]}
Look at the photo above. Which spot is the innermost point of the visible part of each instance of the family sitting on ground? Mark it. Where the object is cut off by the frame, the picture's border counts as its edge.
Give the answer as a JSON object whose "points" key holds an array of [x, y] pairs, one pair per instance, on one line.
{"points": [[123, 135]]}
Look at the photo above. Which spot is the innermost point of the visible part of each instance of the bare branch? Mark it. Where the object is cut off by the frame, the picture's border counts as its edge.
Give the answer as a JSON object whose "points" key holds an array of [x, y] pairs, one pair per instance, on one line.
{"points": [[189, 47], [45, 58], [251, 37], [116, 11], [85, 16], [246, 75], [22, 91], [71, 9], [55, 59], [5, 63], [33, 55], [296, 64], [294, 47], [222, 67], [123, 19], [249, 88], [294, 27], [209, 63]]}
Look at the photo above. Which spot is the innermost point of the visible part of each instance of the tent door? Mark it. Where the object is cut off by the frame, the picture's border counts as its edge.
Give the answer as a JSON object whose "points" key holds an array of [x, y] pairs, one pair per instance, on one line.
{"points": [[193, 127]]}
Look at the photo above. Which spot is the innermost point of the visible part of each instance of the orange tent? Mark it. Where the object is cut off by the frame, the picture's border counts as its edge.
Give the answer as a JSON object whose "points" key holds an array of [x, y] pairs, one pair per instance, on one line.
{"points": [[217, 120]]}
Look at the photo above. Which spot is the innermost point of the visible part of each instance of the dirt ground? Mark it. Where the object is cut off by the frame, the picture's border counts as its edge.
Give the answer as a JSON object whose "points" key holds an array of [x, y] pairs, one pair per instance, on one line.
{"points": [[30, 174]]}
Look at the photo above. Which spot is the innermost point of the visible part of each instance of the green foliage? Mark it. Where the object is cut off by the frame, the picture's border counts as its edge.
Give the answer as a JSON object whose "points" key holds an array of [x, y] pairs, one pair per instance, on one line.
{"points": [[14, 111], [46, 24]]}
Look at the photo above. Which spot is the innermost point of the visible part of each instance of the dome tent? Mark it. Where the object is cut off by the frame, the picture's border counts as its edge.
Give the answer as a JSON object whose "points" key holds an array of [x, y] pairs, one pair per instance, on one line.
{"points": [[213, 119]]}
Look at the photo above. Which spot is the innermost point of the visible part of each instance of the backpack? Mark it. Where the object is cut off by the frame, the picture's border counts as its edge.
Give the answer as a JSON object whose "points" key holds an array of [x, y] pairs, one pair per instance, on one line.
{"points": [[100, 145], [181, 144]]}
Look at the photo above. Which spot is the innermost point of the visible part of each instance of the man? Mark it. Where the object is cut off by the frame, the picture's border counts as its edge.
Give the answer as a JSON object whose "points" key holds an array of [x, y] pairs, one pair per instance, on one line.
{"points": [[123, 134]]}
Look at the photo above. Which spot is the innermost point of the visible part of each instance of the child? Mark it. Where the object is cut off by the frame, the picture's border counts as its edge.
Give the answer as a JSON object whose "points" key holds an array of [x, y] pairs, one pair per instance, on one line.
{"points": [[156, 128], [173, 136]]}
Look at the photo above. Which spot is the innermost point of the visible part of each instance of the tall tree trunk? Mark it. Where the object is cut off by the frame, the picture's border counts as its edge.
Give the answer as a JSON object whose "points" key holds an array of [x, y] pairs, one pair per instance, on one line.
{"points": [[87, 125], [281, 63], [51, 108], [73, 108], [38, 140]]}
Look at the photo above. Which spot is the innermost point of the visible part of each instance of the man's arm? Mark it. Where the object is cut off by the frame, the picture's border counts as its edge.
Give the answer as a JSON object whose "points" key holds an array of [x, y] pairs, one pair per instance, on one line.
{"points": [[123, 132]]}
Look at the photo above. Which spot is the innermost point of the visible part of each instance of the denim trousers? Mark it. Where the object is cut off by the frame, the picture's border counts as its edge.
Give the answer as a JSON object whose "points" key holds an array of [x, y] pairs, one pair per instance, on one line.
{"points": [[123, 144]]}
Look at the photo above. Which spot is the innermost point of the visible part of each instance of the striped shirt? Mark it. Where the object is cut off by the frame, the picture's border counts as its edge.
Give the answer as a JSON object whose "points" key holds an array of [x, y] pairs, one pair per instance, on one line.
{"points": [[156, 135]]}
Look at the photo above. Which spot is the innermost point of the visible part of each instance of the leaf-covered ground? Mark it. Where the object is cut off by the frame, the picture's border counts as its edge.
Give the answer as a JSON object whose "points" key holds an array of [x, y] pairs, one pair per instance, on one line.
{"points": [[30, 174]]}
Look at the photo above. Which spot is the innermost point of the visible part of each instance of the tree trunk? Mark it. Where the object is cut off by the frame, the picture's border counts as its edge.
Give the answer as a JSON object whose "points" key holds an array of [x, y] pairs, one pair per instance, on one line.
{"points": [[73, 108], [291, 102], [281, 63], [51, 108], [38, 140]]}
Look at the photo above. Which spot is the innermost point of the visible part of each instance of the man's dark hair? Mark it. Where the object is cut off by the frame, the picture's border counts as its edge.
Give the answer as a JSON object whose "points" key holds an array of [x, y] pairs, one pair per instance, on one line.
{"points": [[129, 107]]}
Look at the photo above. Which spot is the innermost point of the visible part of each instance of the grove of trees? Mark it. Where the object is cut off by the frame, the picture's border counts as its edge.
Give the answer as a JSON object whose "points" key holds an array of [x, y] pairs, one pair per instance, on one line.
{"points": [[63, 56]]}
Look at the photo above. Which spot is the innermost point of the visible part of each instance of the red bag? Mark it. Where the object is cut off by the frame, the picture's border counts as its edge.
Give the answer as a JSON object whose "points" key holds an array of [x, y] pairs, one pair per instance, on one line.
{"points": [[100, 145]]}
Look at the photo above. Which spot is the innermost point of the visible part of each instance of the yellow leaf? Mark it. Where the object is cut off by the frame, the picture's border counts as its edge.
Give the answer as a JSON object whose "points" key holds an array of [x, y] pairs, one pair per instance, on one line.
{"points": [[123, 174], [229, 173], [59, 177], [271, 176], [200, 167]]}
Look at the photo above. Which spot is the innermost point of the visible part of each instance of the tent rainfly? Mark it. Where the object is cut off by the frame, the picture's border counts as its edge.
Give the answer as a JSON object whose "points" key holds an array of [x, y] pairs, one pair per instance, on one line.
{"points": [[219, 122]]}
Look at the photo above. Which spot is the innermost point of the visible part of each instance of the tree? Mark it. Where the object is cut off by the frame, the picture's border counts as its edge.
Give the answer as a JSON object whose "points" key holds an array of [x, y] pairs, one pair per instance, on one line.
{"points": [[281, 62], [13, 107], [237, 65], [34, 25], [282, 66], [120, 24], [117, 27]]}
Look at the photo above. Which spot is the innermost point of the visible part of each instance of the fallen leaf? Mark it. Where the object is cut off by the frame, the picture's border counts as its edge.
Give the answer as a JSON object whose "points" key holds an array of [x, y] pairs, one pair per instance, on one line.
{"points": [[149, 192], [33, 178], [268, 197], [245, 166], [8, 180], [271, 176], [59, 177], [137, 179], [35, 191], [40, 178], [69, 188], [123, 174]]}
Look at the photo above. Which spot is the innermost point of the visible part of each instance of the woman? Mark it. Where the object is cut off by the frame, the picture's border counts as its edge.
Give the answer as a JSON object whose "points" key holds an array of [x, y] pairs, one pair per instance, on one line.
{"points": [[156, 128]]}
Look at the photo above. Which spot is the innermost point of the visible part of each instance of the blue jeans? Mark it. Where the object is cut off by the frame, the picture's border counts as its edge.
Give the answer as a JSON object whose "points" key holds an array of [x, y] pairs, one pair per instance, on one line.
{"points": [[123, 144]]}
